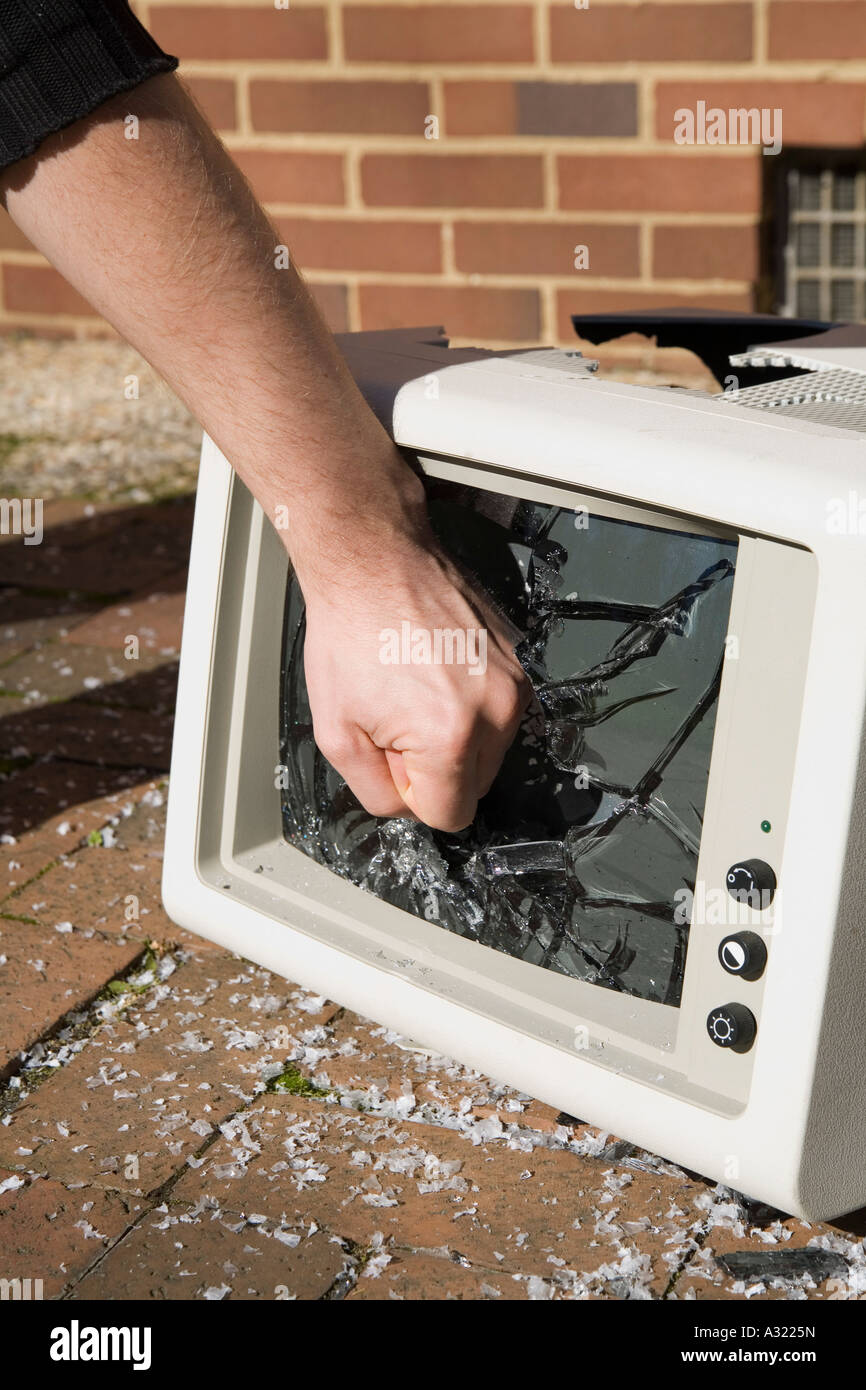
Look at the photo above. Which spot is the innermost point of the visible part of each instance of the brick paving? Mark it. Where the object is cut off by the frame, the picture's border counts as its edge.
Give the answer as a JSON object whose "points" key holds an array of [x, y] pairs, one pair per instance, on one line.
{"points": [[177, 1123]]}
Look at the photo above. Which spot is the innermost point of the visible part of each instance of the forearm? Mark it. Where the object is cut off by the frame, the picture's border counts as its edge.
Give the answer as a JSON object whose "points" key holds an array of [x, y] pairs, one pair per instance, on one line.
{"points": [[165, 239]]}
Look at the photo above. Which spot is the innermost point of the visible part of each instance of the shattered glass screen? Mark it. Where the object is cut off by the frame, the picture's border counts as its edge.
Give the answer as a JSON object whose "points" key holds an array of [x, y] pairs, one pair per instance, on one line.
{"points": [[581, 853]]}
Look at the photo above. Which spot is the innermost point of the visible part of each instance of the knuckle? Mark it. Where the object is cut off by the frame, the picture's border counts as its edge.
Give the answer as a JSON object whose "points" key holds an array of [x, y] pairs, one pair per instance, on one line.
{"points": [[335, 743], [506, 703], [513, 703]]}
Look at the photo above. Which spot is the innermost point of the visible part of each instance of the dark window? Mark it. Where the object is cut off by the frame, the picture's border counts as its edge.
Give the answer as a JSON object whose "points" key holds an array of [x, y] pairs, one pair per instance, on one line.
{"points": [[820, 216]]}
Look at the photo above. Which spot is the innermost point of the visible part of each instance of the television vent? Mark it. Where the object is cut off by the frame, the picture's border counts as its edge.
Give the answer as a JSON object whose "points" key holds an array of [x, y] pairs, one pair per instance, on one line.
{"points": [[836, 397]]}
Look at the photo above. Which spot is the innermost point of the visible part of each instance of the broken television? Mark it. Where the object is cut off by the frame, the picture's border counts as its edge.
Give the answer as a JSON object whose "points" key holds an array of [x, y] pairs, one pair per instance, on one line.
{"points": [[582, 857]]}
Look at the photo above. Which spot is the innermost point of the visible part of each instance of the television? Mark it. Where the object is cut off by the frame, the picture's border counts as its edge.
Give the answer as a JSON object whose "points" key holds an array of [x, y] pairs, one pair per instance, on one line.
{"points": [[655, 921]]}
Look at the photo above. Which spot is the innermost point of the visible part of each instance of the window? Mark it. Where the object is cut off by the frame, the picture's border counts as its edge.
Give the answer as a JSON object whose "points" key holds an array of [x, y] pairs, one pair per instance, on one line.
{"points": [[821, 251]]}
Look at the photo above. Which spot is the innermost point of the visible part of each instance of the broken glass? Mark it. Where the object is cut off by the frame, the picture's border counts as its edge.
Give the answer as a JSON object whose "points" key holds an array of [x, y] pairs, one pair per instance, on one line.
{"points": [[579, 854]]}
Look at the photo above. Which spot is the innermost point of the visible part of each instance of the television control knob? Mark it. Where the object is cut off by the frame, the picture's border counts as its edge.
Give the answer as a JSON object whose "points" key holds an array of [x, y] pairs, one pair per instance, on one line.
{"points": [[732, 1025], [751, 881], [744, 954]]}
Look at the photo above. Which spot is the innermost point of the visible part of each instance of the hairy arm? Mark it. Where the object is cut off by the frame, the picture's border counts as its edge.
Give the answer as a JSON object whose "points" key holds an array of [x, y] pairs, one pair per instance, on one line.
{"points": [[165, 239]]}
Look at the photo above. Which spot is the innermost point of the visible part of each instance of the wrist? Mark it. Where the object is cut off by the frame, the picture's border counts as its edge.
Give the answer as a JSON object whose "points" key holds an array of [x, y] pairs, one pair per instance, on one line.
{"points": [[356, 523]]}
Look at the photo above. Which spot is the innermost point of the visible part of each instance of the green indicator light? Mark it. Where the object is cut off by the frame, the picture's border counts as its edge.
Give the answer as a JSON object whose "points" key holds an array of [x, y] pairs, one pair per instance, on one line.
{"points": [[766, 827]]}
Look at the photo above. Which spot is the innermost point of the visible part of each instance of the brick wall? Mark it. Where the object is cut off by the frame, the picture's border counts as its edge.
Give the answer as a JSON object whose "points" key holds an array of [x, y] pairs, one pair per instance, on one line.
{"points": [[555, 129]]}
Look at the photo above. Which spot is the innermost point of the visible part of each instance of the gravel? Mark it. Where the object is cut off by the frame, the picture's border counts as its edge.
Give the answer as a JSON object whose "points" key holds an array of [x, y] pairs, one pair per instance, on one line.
{"points": [[68, 428]]}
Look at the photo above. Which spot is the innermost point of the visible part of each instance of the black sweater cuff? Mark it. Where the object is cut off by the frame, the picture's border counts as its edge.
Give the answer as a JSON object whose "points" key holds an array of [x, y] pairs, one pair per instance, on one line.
{"points": [[60, 59]]}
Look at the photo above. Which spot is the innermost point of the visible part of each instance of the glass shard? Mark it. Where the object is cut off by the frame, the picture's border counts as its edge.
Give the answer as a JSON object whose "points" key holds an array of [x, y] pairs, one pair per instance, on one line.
{"points": [[579, 853]]}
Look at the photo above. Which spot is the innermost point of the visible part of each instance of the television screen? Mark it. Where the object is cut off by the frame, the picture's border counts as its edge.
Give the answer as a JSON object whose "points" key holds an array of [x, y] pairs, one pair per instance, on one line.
{"points": [[582, 857]]}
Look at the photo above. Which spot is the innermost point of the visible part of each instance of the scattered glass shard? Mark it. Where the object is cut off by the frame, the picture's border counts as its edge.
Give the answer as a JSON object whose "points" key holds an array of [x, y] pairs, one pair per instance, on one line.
{"points": [[592, 828], [752, 1265]]}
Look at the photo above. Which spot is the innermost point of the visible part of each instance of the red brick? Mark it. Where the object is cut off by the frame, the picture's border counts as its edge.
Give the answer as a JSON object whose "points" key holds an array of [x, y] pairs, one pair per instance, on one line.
{"points": [[217, 96], [11, 238], [359, 244], [541, 108], [89, 732], [289, 176], [544, 248], [358, 108], [37, 289], [185, 1254], [680, 182], [435, 1278], [705, 253], [333, 303], [813, 113], [430, 34], [578, 301], [240, 31], [486, 314], [117, 550], [480, 108], [51, 1233], [30, 620], [47, 973], [621, 33], [74, 798], [198, 1047], [52, 673], [434, 180], [155, 618], [503, 1211], [817, 29]]}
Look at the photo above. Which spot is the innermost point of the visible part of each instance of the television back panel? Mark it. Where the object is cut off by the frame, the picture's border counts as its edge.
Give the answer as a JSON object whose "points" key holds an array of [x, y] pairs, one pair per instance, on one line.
{"points": [[655, 920]]}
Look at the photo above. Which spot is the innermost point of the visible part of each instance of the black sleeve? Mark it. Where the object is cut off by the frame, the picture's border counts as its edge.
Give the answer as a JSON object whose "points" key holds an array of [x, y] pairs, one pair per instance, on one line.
{"points": [[60, 59]]}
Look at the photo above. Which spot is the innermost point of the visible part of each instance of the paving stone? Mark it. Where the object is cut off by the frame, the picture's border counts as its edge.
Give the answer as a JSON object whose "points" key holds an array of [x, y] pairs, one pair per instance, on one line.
{"points": [[61, 671], [106, 890], [453, 1185], [54, 790], [187, 1254], [67, 511], [60, 791], [45, 973], [159, 1076], [54, 1233], [115, 891], [89, 732], [541, 1212], [155, 617], [30, 620], [364, 1058], [421, 1277], [112, 552], [154, 690]]}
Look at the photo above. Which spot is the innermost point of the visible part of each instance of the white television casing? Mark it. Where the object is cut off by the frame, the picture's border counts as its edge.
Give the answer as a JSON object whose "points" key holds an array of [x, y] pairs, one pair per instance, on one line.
{"points": [[785, 1121]]}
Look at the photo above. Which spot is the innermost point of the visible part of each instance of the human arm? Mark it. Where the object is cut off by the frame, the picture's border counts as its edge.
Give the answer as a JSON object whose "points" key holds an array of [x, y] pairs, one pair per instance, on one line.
{"points": [[166, 240]]}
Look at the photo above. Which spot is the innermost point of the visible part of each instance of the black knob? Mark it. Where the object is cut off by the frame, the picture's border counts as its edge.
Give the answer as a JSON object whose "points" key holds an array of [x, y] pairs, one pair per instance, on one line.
{"points": [[751, 881], [744, 954], [732, 1025]]}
